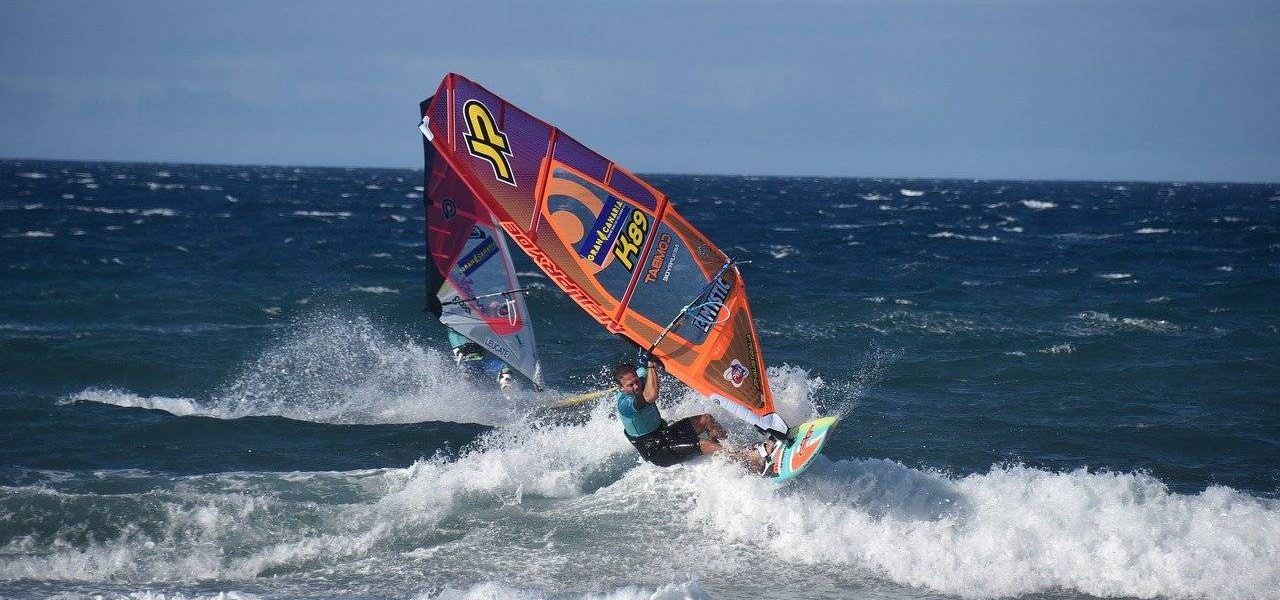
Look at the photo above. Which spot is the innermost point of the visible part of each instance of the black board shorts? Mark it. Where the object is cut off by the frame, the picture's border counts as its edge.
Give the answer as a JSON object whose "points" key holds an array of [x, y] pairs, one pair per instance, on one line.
{"points": [[670, 444]]}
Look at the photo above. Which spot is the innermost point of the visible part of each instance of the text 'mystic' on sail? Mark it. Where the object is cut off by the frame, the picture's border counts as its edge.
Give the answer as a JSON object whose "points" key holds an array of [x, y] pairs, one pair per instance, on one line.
{"points": [[610, 240]]}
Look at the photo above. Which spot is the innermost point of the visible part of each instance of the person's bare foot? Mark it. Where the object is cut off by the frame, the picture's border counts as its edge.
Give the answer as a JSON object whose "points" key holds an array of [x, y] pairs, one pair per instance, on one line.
{"points": [[767, 455]]}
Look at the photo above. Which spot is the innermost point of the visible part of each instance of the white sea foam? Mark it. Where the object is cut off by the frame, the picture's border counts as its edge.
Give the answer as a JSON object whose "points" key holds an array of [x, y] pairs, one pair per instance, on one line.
{"points": [[1039, 204], [910, 193], [33, 175], [322, 214], [1094, 322], [1115, 275], [36, 234], [493, 590], [782, 250], [150, 594], [178, 406], [900, 321], [328, 368], [957, 236], [144, 212], [375, 289], [1085, 237], [1010, 531], [1152, 230]]}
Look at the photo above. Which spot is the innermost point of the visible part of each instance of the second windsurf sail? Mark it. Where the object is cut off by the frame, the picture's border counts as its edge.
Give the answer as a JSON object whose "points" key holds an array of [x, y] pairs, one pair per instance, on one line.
{"points": [[471, 282]]}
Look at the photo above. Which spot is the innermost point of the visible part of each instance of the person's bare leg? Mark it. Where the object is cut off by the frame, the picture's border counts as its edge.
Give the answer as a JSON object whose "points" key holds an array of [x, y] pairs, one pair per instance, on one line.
{"points": [[749, 458], [705, 423]]}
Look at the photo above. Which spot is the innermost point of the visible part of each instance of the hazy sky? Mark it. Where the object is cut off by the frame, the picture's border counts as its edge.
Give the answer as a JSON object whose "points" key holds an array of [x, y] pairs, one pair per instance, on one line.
{"points": [[1026, 89]]}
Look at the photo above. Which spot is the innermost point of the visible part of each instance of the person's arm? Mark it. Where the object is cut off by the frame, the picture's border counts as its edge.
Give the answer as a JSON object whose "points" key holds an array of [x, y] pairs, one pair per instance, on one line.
{"points": [[650, 391]]}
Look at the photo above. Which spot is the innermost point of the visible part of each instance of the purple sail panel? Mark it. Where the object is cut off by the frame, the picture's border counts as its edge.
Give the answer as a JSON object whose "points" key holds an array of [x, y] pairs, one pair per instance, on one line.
{"points": [[582, 158], [633, 189], [530, 141]]}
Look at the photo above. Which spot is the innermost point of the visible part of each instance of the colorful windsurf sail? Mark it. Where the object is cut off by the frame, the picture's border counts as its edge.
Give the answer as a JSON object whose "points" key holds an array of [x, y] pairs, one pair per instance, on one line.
{"points": [[471, 282], [611, 241]]}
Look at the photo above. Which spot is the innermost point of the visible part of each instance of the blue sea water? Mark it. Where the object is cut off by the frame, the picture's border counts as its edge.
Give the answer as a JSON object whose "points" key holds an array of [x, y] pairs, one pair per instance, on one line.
{"points": [[217, 381]]}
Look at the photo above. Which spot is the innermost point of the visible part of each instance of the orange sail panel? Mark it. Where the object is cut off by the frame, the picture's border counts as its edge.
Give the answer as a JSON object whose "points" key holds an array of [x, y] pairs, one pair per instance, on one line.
{"points": [[611, 241]]}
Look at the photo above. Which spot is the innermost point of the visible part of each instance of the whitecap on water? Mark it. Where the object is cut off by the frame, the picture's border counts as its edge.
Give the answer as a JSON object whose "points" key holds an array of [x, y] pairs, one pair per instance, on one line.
{"points": [[1039, 204], [1095, 322], [321, 213], [957, 236], [177, 406], [782, 250], [1008, 531]]}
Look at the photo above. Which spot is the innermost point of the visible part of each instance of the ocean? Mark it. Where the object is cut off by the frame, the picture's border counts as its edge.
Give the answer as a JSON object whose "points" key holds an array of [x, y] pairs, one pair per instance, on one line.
{"points": [[219, 382]]}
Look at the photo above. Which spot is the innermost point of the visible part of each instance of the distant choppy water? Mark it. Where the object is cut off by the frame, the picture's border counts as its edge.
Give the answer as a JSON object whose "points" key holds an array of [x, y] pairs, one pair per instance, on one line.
{"points": [[217, 380]]}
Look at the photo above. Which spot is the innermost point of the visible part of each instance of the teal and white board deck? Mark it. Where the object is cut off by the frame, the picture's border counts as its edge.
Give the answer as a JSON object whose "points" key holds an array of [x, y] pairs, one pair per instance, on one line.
{"points": [[807, 441]]}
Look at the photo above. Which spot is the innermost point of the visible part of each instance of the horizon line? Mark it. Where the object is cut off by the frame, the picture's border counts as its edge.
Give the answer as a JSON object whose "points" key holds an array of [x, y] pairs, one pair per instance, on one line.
{"points": [[662, 173]]}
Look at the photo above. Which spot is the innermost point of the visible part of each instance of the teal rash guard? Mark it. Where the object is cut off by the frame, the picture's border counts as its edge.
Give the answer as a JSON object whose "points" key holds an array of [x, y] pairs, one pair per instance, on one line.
{"points": [[638, 418]]}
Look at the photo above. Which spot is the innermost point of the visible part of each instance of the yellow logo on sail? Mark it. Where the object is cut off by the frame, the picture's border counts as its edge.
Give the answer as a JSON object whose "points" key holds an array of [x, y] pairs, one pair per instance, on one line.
{"points": [[631, 240], [486, 141]]}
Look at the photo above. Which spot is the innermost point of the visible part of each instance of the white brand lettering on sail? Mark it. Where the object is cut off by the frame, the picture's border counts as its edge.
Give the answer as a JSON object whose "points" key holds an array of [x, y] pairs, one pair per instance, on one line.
{"points": [[709, 311]]}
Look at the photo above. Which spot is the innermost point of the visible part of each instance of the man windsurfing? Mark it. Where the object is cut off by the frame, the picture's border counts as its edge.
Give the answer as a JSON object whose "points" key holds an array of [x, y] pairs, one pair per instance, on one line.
{"points": [[665, 444]]}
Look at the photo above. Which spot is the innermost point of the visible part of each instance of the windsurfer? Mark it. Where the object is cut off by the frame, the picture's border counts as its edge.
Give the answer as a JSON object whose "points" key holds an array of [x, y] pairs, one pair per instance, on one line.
{"points": [[474, 361], [662, 443]]}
